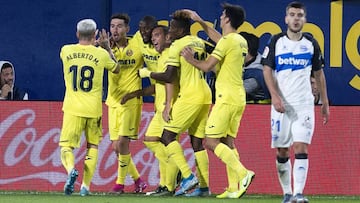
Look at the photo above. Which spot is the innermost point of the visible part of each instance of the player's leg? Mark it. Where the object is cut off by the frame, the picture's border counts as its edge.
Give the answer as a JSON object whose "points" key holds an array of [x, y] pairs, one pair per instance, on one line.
{"points": [[197, 135], [172, 172], [129, 128], [281, 140], [93, 134], [284, 168], [114, 115], [152, 141], [303, 129], [170, 183], [183, 115], [71, 130], [246, 180], [233, 183], [223, 120], [140, 184]]}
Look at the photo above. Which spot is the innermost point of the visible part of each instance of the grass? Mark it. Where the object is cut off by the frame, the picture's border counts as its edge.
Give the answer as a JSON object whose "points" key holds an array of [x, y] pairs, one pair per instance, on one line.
{"points": [[43, 197]]}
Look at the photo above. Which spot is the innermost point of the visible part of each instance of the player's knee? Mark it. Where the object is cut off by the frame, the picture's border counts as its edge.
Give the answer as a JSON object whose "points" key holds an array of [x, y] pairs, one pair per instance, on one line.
{"points": [[115, 147], [301, 156], [89, 145], [66, 149], [211, 143], [282, 159], [167, 137], [197, 143]]}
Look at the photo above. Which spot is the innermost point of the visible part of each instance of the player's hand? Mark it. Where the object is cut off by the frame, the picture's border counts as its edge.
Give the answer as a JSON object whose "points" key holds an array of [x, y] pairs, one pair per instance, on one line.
{"points": [[103, 40], [96, 41], [127, 97], [278, 104], [187, 53], [325, 112], [166, 114], [144, 73], [193, 15]]}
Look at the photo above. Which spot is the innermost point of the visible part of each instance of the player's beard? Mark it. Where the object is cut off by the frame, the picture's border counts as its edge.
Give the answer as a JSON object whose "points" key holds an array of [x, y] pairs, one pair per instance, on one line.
{"points": [[295, 29], [146, 40]]}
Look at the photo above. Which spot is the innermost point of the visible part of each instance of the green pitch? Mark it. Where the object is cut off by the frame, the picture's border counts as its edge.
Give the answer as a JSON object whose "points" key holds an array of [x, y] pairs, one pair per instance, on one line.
{"points": [[33, 197]]}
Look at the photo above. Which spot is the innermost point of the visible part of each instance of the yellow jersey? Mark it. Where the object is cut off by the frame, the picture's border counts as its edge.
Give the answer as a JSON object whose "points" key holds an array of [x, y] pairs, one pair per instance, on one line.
{"points": [[230, 51], [128, 80], [193, 87], [83, 67], [160, 93], [148, 51]]}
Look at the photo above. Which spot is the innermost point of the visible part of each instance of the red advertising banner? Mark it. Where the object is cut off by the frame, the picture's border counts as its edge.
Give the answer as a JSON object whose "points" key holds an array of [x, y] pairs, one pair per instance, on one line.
{"points": [[29, 152]]}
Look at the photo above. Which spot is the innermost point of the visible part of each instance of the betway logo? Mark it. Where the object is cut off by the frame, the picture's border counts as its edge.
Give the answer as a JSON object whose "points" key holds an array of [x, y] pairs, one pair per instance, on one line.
{"points": [[293, 61]]}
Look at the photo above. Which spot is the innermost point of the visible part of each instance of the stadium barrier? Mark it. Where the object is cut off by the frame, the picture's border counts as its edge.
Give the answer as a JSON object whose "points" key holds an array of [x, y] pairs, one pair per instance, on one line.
{"points": [[29, 152]]}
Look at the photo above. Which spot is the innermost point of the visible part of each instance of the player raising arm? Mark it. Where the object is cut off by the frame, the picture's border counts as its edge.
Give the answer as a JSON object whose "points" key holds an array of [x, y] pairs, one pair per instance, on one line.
{"points": [[83, 66], [224, 120]]}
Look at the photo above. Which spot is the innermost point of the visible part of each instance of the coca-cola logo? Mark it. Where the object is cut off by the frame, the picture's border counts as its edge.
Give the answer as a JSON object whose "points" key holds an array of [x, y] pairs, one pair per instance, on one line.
{"points": [[30, 141]]}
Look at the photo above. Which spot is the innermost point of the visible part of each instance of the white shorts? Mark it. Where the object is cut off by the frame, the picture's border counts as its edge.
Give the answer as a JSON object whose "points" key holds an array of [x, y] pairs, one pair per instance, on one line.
{"points": [[295, 125]]}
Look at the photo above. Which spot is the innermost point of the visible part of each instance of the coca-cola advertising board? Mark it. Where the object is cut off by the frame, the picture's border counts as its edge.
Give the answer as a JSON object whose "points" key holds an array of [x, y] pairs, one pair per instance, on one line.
{"points": [[29, 152]]}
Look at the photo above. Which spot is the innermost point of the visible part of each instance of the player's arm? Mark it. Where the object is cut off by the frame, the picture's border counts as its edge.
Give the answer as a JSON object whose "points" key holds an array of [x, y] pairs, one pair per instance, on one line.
{"points": [[213, 34], [206, 66], [321, 82], [168, 76], [148, 91], [169, 92], [104, 42], [273, 89]]}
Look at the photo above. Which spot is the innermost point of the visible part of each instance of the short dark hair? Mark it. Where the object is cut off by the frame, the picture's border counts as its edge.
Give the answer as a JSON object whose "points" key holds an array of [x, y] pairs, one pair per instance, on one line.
{"points": [[182, 20], [164, 28], [150, 20], [121, 16], [235, 13], [296, 4], [252, 41]]}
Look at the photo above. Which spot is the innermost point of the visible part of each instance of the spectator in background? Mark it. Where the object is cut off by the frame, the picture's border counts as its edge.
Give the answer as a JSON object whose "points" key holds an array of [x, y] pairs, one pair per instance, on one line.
{"points": [[8, 90], [254, 83]]}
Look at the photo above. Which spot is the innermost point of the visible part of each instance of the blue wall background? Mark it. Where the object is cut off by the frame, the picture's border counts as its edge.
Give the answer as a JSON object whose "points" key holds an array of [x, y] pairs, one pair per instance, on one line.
{"points": [[33, 32]]}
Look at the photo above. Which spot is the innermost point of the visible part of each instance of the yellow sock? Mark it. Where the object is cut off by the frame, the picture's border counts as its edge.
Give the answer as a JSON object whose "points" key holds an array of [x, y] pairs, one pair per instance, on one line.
{"points": [[89, 166], [123, 165], [158, 149], [226, 155], [132, 170], [232, 176], [171, 173], [67, 158], [175, 152], [202, 168]]}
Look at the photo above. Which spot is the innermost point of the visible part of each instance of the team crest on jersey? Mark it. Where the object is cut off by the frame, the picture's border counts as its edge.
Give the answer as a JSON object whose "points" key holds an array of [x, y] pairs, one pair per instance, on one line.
{"points": [[129, 52]]}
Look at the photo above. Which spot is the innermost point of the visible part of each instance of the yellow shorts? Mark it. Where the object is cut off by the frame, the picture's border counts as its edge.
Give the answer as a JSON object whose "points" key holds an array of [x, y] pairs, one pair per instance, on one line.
{"points": [[191, 117], [124, 121], [72, 129], [224, 120], [156, 126]]}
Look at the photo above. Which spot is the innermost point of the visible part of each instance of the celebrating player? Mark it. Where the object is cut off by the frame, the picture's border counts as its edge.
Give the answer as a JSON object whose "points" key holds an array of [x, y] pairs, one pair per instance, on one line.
{"points": [[224, 120], [83, 66]]}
